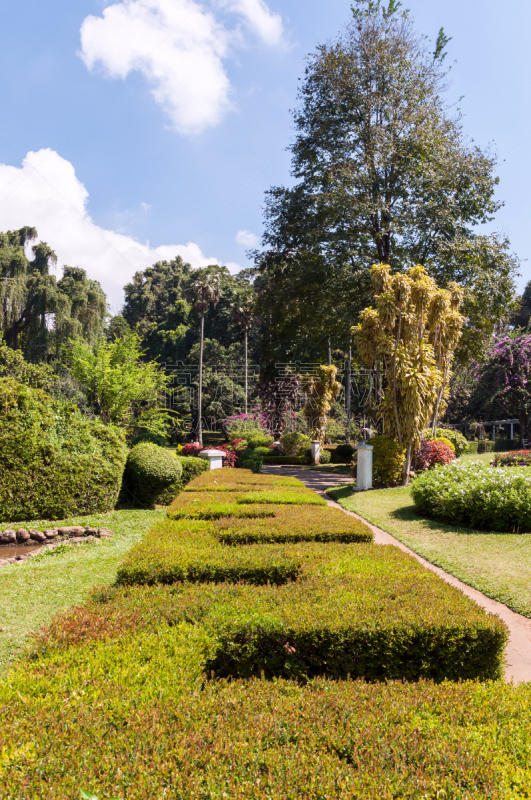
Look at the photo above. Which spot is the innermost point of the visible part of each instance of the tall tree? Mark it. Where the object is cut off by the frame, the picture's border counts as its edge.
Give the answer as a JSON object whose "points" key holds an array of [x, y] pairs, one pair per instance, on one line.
{"points": [[206, 291], [383, 173]]}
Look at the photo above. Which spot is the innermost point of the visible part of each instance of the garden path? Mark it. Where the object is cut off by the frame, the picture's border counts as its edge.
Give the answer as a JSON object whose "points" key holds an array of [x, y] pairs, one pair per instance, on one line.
{"points": [[518, 650]]}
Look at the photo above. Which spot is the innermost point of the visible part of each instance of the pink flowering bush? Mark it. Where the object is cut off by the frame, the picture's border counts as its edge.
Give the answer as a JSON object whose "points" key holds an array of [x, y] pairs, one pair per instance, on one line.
{"points": [[430, 454]]}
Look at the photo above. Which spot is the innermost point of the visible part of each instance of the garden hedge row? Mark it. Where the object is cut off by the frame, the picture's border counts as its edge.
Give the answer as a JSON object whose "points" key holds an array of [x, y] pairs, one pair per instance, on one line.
{"points": [[56, 462], [215, 505], [125, 696], [135, 716]]}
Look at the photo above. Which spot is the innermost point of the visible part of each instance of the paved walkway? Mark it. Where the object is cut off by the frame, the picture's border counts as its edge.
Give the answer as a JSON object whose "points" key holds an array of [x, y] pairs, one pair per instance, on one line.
{"points": [[518, 650]]}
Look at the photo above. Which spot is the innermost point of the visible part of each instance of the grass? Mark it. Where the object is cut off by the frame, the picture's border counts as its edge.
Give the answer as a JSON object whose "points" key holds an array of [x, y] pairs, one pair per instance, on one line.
{"points": [[35, 591], [497, 564]]}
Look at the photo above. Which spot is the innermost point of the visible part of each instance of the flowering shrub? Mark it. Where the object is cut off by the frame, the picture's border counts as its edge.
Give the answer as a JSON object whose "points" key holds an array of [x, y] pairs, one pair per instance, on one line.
{"points": [[244, 425], [457, 439], [191, 449], [431, 454], [477, 496], [520, 458]]}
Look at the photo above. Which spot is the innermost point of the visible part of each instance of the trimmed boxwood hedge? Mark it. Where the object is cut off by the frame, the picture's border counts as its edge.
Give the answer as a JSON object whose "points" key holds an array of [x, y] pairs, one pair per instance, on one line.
{"points": [[214, 505], [130, 718], [56, 462], [287, 460]]}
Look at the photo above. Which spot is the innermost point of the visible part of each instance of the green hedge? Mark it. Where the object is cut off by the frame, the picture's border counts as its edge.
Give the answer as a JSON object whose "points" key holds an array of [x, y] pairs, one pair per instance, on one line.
{"points": [[476, 495], [295, 524], [189, 551], [131, 716], [192, 468], [55, 461], [210, 505], [287, 460]]}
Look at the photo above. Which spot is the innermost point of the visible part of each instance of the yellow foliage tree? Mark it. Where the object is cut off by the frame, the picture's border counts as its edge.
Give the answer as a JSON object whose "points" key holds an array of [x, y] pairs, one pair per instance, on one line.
{"points": [[321, 393], [409, 340]]}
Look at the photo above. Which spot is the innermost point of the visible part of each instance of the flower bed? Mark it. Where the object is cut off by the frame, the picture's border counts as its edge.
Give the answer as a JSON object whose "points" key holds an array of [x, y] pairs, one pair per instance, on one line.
{"points": [[477, 496], [520, 458]]}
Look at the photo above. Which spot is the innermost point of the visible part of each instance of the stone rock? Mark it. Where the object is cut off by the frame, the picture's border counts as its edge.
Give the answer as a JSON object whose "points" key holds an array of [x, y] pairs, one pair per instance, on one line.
{"points": [[76, 530], [105, 533], [77, 539], [23, 535], [64, 531], [91, 531], [51, 534], [21, 558], [3, 561], [37, 536], [90, 538], [8, 537]]}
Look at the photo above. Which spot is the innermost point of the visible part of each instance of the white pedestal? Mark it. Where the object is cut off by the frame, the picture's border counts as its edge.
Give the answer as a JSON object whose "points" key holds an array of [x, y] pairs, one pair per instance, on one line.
{"points": [[215, 457], [316, 452], [364, 473]]}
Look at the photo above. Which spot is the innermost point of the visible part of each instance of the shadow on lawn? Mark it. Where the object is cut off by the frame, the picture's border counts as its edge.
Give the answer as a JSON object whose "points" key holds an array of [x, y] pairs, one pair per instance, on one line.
{"points": [[409, 514]]}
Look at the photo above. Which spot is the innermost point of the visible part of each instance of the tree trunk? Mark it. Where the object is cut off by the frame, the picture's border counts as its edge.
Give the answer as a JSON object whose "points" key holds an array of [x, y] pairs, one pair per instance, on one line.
{"points": [[349, 391], [407, 465], [246, 368], [200, 393], [329, 352]]}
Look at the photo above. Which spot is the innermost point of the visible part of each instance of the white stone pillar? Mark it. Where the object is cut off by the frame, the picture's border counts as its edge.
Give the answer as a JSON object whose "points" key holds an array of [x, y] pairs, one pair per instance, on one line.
{"points": [[512, 431], [214, 457], [364, 472], [494, 433], [316, 452]]}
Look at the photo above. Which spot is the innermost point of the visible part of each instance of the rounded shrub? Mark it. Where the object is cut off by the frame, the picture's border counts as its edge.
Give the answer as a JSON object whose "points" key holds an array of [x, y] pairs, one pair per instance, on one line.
{"points": [[447, 442], [387, 460], [264, 451], [192, 467], [259, 439], [477, 496], [325, 457], [55, 461], [152, 474], [431, 454], [457, 439], [343, 454], [294, 443]]}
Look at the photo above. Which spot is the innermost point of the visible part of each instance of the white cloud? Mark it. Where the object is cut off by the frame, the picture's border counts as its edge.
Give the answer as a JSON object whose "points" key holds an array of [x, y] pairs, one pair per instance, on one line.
{"points": [[54, 201], [247, 239], [261, 20], [180, 47]]}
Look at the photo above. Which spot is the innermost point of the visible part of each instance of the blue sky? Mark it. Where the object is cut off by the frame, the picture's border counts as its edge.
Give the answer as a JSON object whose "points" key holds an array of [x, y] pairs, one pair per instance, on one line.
{"points": [[135, 130]]}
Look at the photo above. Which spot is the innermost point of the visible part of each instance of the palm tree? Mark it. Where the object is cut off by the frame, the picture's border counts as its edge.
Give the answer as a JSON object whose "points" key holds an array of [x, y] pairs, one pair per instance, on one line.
{"points": [[243, 311], [206, 289]]}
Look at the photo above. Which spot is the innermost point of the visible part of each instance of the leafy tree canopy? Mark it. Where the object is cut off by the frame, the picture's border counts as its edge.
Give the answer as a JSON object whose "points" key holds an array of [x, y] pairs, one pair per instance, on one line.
{"points": [[383, 173], [37, 312]]}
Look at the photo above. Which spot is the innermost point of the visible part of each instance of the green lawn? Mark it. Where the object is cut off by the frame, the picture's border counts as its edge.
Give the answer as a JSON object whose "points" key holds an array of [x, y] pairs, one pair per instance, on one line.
{"points": [[34, 592], [498, 564]]}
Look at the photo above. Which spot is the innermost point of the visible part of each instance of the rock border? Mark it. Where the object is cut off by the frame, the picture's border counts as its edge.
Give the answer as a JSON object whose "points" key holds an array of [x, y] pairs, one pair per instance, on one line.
{"points": [[53, 537]]}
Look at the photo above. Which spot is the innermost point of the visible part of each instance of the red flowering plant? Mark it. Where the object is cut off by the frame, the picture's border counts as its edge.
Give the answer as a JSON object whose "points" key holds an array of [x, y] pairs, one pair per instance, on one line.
{"points": [[191, 449], [230, 459], [430, 454], [520, 458]]}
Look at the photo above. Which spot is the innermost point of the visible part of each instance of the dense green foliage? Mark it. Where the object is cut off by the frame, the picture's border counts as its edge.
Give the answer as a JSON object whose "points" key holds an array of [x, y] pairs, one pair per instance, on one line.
{"points": [[29, 295], [294, 443], [477, 496], [152, 475], [55, 461], [123, 685], [387, 460], [121, 387], [192, 467], [383, 174], [343, 454]]}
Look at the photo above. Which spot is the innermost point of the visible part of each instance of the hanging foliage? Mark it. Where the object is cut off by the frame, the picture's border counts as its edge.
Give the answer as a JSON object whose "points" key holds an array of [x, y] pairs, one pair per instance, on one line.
{"points": [[321, 393], [409, 340]]}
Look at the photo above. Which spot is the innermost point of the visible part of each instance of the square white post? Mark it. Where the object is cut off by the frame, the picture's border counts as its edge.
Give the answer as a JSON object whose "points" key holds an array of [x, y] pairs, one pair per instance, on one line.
{"points": [[512, 431], [364, 472], [316, 452], [214, 457]]}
